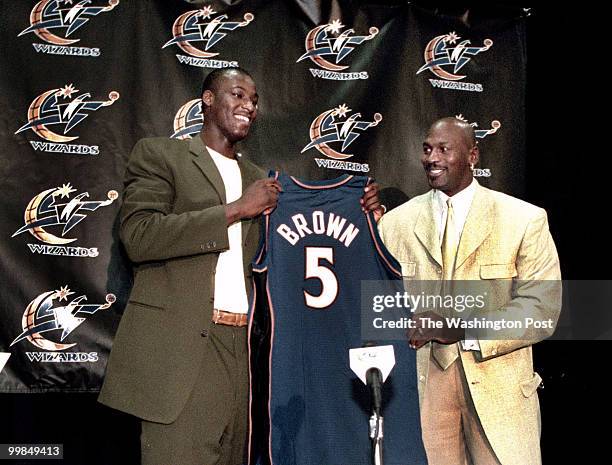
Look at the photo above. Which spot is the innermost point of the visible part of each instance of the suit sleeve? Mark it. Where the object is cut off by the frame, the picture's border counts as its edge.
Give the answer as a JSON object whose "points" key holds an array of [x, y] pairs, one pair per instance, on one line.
{"points": [[537, 290], [149, 228]]}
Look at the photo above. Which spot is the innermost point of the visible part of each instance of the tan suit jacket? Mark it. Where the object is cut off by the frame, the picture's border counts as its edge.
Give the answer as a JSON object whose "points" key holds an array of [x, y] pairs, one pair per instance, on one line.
{"points": [[173, 227], [507, 241]]}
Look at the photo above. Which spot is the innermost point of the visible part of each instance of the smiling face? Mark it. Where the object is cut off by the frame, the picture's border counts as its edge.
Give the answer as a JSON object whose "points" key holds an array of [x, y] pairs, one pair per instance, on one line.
{"points": [[448, 151], [230, 106]]}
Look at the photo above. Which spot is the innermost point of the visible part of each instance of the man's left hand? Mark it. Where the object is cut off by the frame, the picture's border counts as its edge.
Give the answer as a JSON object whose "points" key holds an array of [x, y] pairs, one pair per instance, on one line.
{"points": [[370, 201], [425, 330]]}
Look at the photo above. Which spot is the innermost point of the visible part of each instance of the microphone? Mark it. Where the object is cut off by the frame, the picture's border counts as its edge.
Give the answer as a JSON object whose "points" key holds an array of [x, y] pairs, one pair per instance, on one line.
{"points": [[374, 382], [372, 365]]}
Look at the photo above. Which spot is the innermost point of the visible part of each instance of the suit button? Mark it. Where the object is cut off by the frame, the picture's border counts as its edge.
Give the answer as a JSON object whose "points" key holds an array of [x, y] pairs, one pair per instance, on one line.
{"points": [[204, 333]]}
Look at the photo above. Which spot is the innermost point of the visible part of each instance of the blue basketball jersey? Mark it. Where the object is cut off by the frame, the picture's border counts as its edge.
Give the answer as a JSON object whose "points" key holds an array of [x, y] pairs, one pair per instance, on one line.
{"points": [[307, 406]]}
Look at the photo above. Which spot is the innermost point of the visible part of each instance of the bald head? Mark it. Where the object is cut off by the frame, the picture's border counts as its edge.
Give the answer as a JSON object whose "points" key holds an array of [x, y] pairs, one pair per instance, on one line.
{"points": [[451, 123]]}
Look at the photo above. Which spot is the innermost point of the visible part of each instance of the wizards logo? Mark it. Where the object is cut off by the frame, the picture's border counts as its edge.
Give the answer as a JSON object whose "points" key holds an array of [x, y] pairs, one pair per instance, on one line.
{"points": [[63, 15], [48, 209], [327, 47], [199, 26], [46, 314], [188, 120], [481, 134], [51, 109], [444, 57], [335, 127]]}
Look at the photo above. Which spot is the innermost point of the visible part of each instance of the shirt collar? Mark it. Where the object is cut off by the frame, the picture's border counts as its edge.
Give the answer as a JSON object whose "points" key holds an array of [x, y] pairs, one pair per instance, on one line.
{"points": [[461, 200]]}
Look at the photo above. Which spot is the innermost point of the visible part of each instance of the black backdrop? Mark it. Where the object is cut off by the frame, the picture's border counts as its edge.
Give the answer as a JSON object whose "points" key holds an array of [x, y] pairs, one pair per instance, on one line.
{"points": [[554, 151], [382, 70]]}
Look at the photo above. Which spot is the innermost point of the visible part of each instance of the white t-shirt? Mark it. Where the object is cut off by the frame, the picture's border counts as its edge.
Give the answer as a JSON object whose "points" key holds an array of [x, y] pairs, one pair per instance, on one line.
{"points": [[230, 291]]}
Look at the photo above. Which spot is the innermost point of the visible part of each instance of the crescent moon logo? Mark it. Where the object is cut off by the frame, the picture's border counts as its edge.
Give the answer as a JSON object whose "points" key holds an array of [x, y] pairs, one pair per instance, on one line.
{"points": [[315, 134], [178, 29], [41, 316], [188, 28], [46, 109], [34, 115], [46, 209], [430, 54], [31, 216], [311, 46], [188, 120], [444, 51], [28, 323], [330, 126], [47, 14], [36, 18], [319, 42]]}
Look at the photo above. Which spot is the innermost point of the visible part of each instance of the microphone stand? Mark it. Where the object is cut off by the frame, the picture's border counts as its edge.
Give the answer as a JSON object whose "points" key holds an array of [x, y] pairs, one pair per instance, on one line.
{"points": [[374, 380]]}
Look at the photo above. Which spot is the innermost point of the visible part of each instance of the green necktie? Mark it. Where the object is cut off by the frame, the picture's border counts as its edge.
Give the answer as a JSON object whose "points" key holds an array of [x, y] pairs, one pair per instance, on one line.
{"points": [[446, 354]]}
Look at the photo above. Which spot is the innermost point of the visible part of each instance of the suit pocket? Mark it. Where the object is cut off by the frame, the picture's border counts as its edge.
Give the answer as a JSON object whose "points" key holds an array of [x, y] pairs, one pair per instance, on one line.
{"points": [[501, 271], [531, 385], [408, 269], [144, 305], [150, 286]]}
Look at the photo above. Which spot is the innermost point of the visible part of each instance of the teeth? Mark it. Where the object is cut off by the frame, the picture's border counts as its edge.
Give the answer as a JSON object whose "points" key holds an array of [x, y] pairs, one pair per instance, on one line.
{"points": [[242, 118], [435, 172]]}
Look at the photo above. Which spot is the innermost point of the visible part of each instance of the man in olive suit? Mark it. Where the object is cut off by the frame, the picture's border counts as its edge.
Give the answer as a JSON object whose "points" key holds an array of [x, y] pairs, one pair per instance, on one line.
{"points": [[189, 223]]}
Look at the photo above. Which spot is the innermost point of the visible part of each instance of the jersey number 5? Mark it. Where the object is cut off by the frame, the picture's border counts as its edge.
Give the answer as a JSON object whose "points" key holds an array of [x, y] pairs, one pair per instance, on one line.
{"points": [[314, 269]]}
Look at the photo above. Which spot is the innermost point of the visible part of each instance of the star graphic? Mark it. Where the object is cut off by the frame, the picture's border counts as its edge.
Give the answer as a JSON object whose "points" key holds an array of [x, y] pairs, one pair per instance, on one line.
{"points": [[67, 91], [63, 293], [335, 26], [342, 110], [66, 2], [64, 191], [206, 12], [452, 37]]}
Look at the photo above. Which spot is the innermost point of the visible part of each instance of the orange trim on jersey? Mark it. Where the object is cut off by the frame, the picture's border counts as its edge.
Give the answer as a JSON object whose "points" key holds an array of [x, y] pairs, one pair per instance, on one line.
{"points": [[271, 307], [250, 373], [379, 248], [264, 246]]}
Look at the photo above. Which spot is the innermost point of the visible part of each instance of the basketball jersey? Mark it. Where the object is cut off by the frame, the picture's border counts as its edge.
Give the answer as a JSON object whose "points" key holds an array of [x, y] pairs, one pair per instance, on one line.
{"points": [[307, 406]]}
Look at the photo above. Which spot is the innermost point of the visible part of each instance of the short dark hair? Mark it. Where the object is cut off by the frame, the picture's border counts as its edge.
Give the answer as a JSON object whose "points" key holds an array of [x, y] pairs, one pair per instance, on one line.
{"points": [[210, 81]]}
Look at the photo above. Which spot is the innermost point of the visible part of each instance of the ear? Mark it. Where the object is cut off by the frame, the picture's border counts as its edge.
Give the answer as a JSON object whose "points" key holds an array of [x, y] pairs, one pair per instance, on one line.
{"points": [[474, 154], [208, 97]]}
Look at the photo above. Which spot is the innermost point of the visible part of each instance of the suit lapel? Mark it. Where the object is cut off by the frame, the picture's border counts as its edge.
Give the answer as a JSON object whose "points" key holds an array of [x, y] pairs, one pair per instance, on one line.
{"points": [[426, 230], [477, 225], [204, 161]]}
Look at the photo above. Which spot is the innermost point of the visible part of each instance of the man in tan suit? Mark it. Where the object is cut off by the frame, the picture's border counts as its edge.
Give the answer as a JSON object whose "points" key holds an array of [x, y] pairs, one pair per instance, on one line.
{"points": [[478, 397]]}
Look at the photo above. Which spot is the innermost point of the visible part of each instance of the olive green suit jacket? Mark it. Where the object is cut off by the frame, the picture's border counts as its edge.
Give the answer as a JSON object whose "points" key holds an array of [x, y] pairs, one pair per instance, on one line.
{"points": [[505, 243], [173, 227]]}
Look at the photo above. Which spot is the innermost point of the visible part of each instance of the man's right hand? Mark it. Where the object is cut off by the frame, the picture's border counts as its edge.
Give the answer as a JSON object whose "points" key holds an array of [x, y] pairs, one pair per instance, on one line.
{"points": [[259, 197]]}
